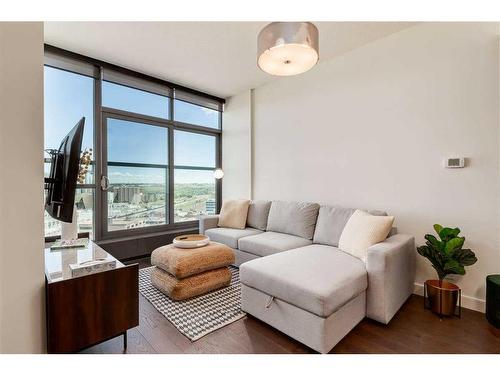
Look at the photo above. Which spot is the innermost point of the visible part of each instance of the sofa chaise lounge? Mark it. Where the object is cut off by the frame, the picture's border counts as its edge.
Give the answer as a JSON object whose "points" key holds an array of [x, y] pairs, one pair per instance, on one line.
{"points": [[296, 279]]}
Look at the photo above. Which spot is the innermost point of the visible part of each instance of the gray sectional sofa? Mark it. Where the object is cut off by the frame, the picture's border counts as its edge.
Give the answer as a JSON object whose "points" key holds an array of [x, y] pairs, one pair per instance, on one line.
{"points": [[295, 278]]}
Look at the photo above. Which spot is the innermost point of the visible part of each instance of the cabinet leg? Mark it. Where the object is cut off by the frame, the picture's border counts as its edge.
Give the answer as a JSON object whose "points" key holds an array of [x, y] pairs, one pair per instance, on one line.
{"points": [[125, 340]]}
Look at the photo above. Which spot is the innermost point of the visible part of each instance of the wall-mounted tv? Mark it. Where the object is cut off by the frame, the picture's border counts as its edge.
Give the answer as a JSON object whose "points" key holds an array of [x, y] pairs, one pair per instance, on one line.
{"points": [[61, 184]]}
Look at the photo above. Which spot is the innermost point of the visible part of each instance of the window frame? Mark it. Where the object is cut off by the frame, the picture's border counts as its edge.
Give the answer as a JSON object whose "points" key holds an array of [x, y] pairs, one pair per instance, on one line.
{"points": [[101, 114], [108, 113], [70, 66], [196, 168]]}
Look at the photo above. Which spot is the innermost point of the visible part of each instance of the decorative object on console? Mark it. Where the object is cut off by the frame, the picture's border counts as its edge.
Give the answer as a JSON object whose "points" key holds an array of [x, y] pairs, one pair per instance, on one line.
{"points": [[92, 266], [190, 241], [448, 258], [85, 161], [288, 48], [69, 231], [61, 244], [363, 230], [233, 214]]}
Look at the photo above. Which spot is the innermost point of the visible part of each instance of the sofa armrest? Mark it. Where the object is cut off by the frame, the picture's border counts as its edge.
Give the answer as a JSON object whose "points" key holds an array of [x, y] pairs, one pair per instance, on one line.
{"points": [[391, 276], [208, 222]]}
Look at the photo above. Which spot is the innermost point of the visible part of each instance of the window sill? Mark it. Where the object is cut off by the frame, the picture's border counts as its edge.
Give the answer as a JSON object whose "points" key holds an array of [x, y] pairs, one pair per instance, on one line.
{"points": [[192, 227]]}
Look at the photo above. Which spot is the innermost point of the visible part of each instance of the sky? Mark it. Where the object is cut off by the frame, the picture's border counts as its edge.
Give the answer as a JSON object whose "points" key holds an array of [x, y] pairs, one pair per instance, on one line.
{"points": [[69, 96]]}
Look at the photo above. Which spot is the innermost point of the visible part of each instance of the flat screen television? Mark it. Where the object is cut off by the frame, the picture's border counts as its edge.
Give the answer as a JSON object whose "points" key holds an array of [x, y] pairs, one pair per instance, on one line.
{"points": [[61, 184]]}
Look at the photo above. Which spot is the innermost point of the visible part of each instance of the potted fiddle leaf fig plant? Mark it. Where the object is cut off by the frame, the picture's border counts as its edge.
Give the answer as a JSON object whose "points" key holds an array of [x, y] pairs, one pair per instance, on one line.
{"points": [[448, 257]]}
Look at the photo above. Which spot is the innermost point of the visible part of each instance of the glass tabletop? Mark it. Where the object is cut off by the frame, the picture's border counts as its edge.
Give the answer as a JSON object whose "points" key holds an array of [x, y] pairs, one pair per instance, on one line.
{"points": [[57, 261]]}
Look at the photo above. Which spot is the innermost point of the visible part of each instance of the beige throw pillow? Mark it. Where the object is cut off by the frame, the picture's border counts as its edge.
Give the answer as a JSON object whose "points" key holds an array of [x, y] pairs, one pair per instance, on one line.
{"points": [[362, 231], [233, 214]]}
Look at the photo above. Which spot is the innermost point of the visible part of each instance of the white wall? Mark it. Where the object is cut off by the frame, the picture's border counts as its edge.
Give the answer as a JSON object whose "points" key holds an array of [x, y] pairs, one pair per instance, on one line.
{"points": [[370, 129], [236, 147], [22, 322]]}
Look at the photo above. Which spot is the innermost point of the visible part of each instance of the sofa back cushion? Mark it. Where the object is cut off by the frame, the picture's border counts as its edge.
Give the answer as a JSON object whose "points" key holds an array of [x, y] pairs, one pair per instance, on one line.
{"points": [[295, 218], [258, 212], [233, 214], [330, 224]]}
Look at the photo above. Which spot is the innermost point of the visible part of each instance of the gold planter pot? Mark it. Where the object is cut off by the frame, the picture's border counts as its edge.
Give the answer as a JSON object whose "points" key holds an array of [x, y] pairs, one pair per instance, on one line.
{"points": [[442, 297]]}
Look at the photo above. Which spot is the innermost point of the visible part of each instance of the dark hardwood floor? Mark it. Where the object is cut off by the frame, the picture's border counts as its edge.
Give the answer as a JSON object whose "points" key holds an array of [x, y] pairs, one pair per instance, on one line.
{"points": [[412, 330]]}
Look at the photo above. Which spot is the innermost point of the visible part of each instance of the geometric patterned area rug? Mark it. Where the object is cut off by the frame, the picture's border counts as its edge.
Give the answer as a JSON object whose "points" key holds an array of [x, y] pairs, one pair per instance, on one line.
{"points": [[197, 316]]}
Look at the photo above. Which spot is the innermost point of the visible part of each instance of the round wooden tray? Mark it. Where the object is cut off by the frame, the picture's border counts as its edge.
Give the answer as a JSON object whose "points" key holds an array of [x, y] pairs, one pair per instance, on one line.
{"points": [[191, 241]]}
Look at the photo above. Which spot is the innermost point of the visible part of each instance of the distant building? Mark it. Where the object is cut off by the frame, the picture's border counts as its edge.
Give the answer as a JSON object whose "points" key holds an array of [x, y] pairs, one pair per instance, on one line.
{"points": [[128, 194], [210, 206], [111, 196], [137, 198]]}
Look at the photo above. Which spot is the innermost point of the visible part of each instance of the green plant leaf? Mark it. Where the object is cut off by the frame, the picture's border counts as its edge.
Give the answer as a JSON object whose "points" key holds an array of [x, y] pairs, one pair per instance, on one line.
{"points": [[438, 228], [453, 245], [465, 257], [423, 250], [453, 267], [432, 255], [433, 242], [447, 234]]}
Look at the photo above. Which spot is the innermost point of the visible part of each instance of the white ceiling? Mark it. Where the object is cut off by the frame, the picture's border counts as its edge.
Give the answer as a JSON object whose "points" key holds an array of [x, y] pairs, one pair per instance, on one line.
{"points": [[215, 57]]}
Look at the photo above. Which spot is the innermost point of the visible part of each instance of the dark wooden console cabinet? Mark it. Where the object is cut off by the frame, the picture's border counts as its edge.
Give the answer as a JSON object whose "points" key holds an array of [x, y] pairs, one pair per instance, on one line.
{"points": [[86, 310]]}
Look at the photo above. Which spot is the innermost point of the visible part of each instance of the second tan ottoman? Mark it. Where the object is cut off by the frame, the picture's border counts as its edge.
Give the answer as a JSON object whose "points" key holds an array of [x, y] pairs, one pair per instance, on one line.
{"points": [[192, 286]]}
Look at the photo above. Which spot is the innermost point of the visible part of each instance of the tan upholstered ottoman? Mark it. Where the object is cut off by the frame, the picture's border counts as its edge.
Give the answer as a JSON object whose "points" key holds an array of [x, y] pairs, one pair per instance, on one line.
{"points": [[186, 262], [186, 273], [192, 286]]}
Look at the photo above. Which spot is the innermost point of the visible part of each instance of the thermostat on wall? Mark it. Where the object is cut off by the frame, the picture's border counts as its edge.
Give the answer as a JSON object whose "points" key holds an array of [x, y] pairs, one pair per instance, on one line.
{"points": [[454, 162]]}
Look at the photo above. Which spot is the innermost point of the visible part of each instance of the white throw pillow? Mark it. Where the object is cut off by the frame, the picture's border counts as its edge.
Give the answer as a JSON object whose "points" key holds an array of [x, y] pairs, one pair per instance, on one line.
{"points": [[233, 214], [362, 231]]}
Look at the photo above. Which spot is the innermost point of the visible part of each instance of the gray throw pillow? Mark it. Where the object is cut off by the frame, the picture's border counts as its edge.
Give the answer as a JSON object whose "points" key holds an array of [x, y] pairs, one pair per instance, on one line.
{"points": [[330, 224], [258, 212], [296, 218]]}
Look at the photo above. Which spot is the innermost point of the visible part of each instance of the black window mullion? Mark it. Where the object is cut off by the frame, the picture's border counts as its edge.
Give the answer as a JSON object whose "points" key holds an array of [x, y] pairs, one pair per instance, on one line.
{"points": [[171, 178], [98, 159], [218, 182]]}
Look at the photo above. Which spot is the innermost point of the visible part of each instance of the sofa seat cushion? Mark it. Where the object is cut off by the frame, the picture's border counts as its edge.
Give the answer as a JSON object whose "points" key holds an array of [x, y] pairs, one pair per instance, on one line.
{"points": [[230, 236], [268, 243], [317, 278]]}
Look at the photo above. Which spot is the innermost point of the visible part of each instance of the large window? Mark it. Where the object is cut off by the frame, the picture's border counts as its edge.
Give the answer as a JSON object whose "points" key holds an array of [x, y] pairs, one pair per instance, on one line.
{"points": [[194, 162], [67, 98], [157, 147], [138, 174]]}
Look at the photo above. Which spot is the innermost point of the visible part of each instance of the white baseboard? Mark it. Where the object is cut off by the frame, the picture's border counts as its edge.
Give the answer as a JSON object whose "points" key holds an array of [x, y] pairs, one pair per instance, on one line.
{"points": [[468, 302]]}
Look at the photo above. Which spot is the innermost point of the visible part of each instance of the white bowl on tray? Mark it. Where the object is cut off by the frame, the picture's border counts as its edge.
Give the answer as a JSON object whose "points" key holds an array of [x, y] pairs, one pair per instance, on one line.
{"points": [[191, 241]]}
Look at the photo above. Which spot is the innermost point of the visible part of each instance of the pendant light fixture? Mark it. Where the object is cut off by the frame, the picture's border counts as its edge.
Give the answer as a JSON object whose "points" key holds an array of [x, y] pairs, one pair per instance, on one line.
{"points": [[218, 174], [288, 48]]}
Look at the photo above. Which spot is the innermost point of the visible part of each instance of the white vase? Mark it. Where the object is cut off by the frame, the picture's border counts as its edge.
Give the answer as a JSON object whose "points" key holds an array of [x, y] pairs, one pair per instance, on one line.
{"points": [[69, 231]]}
